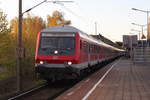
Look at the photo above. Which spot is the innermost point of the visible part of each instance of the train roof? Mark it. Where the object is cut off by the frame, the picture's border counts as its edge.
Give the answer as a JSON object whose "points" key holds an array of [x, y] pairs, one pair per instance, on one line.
{"points": [[63, 28], [71, 29]]}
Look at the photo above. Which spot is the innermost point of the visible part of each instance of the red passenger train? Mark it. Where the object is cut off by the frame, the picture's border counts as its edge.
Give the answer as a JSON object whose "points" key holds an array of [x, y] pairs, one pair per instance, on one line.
{"points": [[65, 52]]}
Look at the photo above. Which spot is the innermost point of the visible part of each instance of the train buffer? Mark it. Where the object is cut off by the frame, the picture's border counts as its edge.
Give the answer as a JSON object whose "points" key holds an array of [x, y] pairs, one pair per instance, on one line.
{"points": [[120, 80]]}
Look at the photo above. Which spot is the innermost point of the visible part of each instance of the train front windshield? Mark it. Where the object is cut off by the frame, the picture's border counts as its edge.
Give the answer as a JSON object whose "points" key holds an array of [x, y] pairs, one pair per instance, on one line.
{"points": [[62, 44]]}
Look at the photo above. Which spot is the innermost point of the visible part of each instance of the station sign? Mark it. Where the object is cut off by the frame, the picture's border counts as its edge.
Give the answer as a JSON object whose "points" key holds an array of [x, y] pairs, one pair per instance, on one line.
{"points": [[130, 41]]}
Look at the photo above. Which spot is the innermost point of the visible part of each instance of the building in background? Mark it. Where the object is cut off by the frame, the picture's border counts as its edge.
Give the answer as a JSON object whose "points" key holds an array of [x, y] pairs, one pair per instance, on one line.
{"points": [[130, 42]]}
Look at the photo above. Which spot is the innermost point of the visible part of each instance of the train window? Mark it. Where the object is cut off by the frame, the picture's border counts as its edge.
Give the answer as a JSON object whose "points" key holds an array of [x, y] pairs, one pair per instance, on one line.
{"points": [[95, 49], [80, 44], [98, 49], [91, 51], [65, 45], [53, 42], [89, 48], [92, 48], [86, 47]]}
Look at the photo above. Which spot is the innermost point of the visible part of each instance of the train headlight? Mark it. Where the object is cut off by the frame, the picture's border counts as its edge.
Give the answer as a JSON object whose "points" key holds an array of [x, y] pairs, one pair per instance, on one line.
{"points": [[69, 63], [55, 52], [41, 62]]}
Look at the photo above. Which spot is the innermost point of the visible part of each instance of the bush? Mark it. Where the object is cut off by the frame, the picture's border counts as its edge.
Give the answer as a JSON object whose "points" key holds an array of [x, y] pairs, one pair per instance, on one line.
{"points": [[7, 53]]}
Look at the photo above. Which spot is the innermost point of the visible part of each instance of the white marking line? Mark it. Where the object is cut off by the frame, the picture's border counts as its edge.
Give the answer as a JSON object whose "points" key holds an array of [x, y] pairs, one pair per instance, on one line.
{"points": [[70, 93], [95, 86]]}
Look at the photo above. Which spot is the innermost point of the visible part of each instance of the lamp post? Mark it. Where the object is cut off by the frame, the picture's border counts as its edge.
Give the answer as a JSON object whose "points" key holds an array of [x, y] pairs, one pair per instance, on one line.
{"points": [[95, 28], [20, 49], [147, 12], [131, 47], [137, 31], [141, 28]]}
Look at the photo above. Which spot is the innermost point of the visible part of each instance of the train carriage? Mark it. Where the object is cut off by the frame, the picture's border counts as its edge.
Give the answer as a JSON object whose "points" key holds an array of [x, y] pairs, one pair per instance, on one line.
{"points": [[62, 52]]}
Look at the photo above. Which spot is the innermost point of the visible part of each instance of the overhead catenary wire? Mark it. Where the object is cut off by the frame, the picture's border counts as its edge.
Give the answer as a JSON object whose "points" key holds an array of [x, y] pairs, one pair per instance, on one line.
{"points": [[83, 19], [70, 11]]}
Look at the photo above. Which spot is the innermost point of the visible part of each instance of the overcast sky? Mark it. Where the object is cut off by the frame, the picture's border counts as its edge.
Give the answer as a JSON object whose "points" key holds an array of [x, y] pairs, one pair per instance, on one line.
{"points": [[113, 17]]}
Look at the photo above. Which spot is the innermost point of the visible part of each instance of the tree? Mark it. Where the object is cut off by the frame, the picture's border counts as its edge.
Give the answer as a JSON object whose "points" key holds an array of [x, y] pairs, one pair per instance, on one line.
{"points": [[3, 23], [57, 19], [7, 53], [31, 26], [7, 47]]}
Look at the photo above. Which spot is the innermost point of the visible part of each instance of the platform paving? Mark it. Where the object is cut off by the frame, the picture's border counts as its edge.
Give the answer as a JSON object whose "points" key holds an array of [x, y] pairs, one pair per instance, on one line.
{"points": [[124, 81]]}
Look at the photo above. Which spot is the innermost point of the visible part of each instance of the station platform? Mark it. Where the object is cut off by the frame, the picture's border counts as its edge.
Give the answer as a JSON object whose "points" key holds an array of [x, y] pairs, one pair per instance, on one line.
{"points": [[120, 80]]}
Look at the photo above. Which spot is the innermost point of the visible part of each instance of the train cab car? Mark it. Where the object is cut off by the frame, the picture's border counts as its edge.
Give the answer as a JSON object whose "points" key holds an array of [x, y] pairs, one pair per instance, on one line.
{"points": [[57, 52], [62, 52]]}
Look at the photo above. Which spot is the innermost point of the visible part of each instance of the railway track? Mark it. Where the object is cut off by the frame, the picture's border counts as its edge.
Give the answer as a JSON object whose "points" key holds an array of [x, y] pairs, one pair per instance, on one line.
{"points": [[44, 92], [27, 92]]}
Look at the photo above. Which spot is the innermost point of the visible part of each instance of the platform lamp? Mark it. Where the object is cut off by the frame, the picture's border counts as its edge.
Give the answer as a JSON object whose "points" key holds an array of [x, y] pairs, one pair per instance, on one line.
{"points": [[147, 12], [142, 26], [138, 32]]}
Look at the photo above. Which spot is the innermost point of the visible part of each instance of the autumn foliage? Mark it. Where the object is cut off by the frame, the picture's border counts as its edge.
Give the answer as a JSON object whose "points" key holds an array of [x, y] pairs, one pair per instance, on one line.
{"points": [[3, 23], [31, 26], [7, 54], [57, 19]]}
